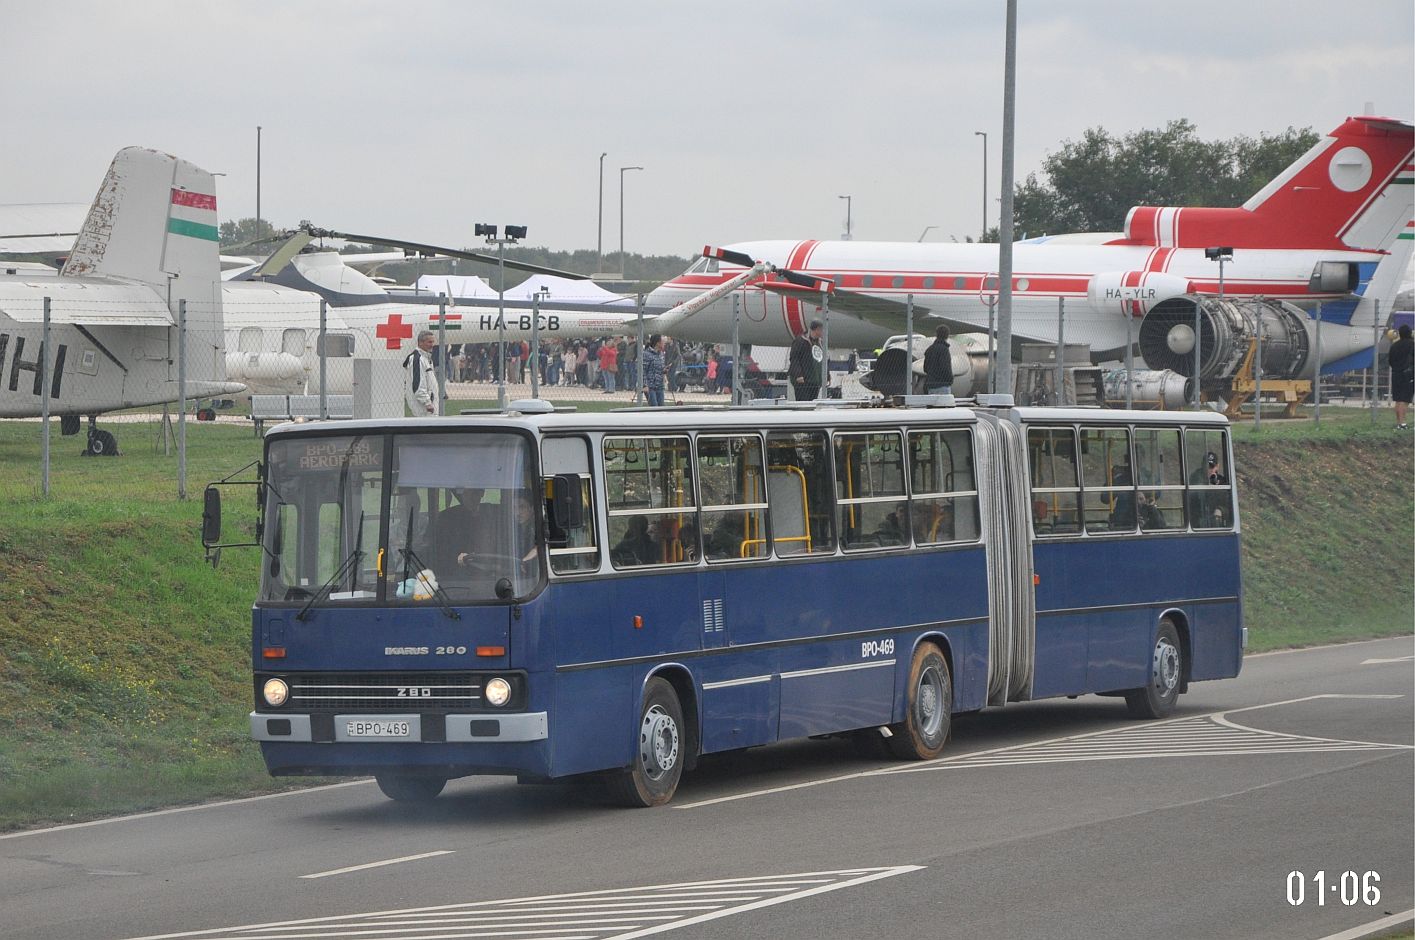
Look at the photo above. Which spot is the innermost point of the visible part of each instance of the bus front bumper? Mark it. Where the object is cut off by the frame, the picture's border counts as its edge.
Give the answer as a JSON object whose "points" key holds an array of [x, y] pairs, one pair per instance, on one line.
{"points": [[481, 728]]}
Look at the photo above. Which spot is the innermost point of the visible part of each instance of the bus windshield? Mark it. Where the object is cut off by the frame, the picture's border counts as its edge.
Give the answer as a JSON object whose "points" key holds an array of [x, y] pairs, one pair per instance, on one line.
{"points": [[401, 518]]}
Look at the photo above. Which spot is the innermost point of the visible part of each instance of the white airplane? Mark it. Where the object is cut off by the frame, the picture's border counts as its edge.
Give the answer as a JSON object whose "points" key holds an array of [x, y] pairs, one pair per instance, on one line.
{"points": [[147, 246], [272, 316], [1334, 228]]}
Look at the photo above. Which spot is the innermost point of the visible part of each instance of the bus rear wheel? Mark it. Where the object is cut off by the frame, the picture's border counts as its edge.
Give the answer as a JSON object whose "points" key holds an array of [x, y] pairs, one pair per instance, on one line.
{"points": [[652, 778], [928, 714], [408, 788], [1158, 697]]}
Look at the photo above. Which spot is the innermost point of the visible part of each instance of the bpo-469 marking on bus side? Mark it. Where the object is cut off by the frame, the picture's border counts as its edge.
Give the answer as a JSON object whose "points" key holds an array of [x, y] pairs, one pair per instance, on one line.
{"points": [[869, 648]]}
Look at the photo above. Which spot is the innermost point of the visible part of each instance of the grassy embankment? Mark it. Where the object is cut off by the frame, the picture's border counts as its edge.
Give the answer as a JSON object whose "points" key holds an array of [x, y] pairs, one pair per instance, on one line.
{"points": [[124, 659]]}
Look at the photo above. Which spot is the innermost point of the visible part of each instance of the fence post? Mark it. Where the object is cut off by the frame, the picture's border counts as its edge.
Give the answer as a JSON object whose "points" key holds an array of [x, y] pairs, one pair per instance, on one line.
{"points": [[1060, 352], [737, 364], [1375, 363], [909, 346], [825, 348], [639, 385], [441, 354], [323, 359], [182, 398], [1317, 378], [44, 406]]}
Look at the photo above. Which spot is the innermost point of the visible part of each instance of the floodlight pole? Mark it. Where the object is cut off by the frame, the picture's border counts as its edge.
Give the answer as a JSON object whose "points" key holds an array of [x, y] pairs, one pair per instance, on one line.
{"points": [[984, 136], [1004, 254], [849, 228], [500, 243]]}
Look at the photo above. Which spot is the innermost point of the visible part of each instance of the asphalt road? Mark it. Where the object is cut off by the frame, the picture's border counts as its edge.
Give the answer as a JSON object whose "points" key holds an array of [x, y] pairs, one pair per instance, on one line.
{"points": [[1051, 819]]}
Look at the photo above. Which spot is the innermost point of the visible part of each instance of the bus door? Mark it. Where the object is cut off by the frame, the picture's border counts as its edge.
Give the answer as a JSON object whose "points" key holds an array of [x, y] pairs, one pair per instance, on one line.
{"points": [[1002, 484], [739, 688]]}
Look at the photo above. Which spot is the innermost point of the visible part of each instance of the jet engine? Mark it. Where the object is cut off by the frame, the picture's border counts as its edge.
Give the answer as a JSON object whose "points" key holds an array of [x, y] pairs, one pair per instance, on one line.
{"points": [[1226, 327], [970, 366], [1149, 388], [277, 373]]}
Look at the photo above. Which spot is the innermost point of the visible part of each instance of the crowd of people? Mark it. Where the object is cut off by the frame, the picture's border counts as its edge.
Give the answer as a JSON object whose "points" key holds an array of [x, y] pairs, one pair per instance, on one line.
{"points": [[607, 364]]}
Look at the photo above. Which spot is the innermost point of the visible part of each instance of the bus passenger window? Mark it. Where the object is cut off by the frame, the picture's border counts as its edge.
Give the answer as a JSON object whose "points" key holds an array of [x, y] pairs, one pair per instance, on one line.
{"points": [[1051, 455], [799, 492], [1160, 475], [572, 549], [1210, 482], [945, 494], [869, 487], [734, 497], [652, 509], [1109, 480]]}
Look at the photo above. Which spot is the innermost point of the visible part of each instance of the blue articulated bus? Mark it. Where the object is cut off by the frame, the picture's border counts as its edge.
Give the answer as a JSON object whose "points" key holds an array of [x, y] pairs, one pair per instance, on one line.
{"points": [[552, 595]]}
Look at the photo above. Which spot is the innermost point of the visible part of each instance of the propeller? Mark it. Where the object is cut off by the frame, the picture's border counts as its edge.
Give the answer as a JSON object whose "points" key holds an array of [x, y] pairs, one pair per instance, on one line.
{"points": [[430, 250], [822, 284]]}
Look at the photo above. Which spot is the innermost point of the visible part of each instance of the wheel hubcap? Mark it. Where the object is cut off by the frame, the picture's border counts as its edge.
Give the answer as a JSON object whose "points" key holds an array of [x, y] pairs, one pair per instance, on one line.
{"points": [[928, 704], [658, 743], [1166, 666]]}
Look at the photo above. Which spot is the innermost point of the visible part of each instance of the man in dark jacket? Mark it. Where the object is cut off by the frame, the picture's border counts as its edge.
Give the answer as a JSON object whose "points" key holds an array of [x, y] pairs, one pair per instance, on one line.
{"points": [[938, 365], [805, 369]]}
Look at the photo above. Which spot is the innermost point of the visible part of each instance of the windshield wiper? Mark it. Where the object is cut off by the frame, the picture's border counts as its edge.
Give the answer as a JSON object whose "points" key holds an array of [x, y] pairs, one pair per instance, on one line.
{"points": [[351, 562], [442, 599], [336, 578]]}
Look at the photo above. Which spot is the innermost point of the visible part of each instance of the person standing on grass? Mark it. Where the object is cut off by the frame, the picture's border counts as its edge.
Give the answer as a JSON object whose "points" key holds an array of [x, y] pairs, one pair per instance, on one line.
{"points": [[1402, 375]]}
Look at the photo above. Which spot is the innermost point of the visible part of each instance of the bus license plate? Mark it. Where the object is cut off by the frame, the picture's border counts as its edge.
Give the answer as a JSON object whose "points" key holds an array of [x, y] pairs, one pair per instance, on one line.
{"points": [[378, 729]]}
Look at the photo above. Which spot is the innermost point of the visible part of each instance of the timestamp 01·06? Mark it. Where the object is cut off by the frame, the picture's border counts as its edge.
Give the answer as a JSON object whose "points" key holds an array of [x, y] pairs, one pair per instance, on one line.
{"points": [[1348, 886]]}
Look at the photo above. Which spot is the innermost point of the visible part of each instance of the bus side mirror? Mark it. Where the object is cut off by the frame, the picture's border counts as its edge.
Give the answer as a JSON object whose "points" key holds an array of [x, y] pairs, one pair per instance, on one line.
{"points": [[565, 501], [211, 518]]}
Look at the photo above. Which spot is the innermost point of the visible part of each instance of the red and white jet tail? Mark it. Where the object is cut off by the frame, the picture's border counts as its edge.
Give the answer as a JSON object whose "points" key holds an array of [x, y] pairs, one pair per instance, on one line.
{"points": [[1351, 192]]}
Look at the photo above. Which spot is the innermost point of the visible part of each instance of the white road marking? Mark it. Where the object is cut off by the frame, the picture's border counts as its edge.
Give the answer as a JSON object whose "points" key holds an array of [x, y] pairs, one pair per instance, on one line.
{"points": [[1324, 646], [1366, 930], [1377, 662], [185, 809], [1208, 735], [584, 915], [391, 861]]}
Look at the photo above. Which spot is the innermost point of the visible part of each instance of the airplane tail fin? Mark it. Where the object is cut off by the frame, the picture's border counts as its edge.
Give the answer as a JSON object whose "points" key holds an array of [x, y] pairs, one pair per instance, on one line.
{"points": [[1382, 287], [154, 222], [1351, 191]]}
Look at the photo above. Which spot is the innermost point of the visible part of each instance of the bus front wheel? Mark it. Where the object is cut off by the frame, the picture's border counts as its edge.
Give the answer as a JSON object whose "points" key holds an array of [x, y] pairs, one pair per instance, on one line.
{"points": [[1158, 697], [652, 778], [407, 788], [928, 715]]}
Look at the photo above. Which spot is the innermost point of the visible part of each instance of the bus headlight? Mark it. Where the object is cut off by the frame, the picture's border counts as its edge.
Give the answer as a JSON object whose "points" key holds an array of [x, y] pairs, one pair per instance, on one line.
{"points": [[498, 692], [275, 692]]}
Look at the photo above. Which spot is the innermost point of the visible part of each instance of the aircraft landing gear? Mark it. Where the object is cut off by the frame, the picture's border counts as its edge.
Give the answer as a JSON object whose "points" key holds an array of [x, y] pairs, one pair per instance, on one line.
{"points": [[100, 443]]}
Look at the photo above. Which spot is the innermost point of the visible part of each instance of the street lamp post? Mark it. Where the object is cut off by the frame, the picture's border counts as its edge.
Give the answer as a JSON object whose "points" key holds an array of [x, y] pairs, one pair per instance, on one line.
{"points": [[599, 228], [848, 226], [622, 171], [514, 233], [258, 232], [984, 136]]}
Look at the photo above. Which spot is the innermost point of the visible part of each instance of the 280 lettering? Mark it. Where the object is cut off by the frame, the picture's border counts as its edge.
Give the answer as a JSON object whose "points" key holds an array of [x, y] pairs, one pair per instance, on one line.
{"points": [[872, 648]]}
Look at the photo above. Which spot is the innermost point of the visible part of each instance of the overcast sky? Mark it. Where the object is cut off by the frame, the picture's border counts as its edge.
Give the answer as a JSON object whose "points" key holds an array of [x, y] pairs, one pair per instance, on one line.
{"points": [[418, 120]]}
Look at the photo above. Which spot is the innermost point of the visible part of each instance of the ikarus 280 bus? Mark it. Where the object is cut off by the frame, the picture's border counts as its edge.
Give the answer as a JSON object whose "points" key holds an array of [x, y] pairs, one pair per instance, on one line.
{"points": [[549, 595]]}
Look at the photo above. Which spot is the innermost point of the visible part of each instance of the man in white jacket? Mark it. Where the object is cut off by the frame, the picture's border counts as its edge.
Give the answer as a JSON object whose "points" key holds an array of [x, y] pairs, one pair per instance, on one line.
{"points": [[421, 377]]}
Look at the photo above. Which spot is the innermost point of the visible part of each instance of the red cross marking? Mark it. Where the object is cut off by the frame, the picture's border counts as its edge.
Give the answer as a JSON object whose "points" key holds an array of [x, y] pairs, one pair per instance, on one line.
{"points": [[394, 331]]}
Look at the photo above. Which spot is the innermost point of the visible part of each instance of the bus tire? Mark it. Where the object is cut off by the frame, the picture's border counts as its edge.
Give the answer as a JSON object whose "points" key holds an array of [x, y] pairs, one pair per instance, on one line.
{"points": [[1158, 697], [408, 788], [652, 778], [928, 708]]}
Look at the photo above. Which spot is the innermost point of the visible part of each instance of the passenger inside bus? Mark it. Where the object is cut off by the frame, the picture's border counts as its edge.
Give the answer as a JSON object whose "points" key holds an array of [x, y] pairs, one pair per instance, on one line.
{"points": [[637, 546]]}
